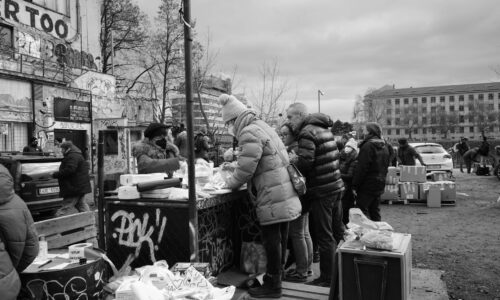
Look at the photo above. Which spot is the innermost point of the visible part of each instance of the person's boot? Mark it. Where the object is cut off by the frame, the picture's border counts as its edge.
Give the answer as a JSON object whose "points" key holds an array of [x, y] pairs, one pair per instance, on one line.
{"points": [[270, 289]]}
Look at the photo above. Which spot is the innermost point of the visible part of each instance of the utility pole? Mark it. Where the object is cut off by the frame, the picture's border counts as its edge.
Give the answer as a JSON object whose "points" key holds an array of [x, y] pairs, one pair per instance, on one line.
{"points": [[193, 213]]}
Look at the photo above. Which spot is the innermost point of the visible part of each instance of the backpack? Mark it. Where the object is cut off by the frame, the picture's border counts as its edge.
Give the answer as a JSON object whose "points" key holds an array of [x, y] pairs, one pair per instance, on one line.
{"points": [[483, 171]]}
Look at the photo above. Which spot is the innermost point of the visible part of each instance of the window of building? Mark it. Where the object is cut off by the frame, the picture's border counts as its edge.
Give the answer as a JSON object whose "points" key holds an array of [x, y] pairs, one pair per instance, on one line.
{"points": [[498, 95], [424, 110], [388, 101], [396, 101], [452, 107], [397, 131], [433, 109], [461, 108], [415, 130], [397, 111], [424, 120], [490, 96], [433, 120], [471, 129], [441, 99], [461, 129], [452, 130], [406, 101], [6, 38], [389, 132], [388, 111], [452, 98], [461, 98], [433, 130], [471, 97], [13, 136], [424, 100], [433, 99], [481, 97], [461, 119], [491, 107], [396, 122], [415, 100], [424, 130], [389, 122]]}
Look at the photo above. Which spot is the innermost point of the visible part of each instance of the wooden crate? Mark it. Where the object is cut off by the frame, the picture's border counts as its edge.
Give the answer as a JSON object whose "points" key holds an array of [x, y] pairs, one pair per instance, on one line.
{"points": [[375, 275], [67, 230]]}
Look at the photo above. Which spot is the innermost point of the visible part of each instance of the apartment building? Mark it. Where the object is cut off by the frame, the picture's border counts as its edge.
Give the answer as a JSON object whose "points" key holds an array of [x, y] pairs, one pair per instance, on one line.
{"points": [[437, 112]]}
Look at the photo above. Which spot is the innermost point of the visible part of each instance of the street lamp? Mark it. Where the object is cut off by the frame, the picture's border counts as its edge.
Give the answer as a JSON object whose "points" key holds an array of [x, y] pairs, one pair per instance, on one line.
{"points": [[320, 93]]}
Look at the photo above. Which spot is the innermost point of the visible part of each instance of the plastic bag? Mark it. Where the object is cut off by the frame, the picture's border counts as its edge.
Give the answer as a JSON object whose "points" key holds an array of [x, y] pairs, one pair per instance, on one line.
{"points": [[378, 239], [356, 217]]}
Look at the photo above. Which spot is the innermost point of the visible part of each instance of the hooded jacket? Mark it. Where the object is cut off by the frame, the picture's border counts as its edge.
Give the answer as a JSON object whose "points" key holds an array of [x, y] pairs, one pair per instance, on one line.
{"points": [[348, 162], [318, 157], [152, 158], [18, 238], [373, 161], [73, 175], [407, 155], [260, 165]]}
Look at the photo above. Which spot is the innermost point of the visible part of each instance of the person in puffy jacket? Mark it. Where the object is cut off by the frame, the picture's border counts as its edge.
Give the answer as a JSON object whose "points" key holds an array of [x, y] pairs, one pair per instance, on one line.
{"points": [[348, 163], [368, 182], [74, 180], [154, 154], [318, 160], [18, 238], [269, 185]]}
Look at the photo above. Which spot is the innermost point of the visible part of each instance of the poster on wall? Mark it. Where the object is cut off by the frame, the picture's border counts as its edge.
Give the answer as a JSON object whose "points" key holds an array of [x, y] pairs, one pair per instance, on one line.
{"points": [[67, 110]]}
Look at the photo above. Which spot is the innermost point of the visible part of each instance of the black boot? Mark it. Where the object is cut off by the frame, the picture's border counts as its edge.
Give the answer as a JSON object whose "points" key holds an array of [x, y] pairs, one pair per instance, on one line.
{"points": [[270, 289]]}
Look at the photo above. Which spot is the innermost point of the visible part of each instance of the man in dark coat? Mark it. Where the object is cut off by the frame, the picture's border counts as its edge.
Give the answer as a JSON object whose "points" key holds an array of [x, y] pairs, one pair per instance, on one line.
{"points": [[74, 180], [318, 160], [18, 239], [461, 147], [348, 163], [407, 154], [33, 147], [154, 154], [368, 182]]}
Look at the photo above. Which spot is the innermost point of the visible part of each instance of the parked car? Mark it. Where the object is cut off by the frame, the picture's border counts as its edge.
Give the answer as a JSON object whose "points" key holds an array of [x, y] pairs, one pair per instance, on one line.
{"points": [[435, 157], [33, 180]]}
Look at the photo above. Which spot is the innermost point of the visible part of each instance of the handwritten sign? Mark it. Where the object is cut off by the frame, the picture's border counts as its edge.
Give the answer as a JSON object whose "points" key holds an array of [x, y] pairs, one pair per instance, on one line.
{"points": [[67, 110]]}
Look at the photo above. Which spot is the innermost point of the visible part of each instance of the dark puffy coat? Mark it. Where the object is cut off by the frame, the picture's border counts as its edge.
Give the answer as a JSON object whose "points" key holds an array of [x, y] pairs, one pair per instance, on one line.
{"points": [[262, 167], [348, 163], [318, 157], [73, 175], [153, 159], [462, 147], [18, 238], [373, 161], [407, 155]]}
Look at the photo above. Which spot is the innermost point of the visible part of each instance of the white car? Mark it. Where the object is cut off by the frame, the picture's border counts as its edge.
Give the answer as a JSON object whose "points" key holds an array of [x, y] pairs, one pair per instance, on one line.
{"points": [[434, 156]]}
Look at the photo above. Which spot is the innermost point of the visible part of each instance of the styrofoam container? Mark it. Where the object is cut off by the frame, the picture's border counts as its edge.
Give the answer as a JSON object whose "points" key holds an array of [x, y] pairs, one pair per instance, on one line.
{"points": [[133, 179]]}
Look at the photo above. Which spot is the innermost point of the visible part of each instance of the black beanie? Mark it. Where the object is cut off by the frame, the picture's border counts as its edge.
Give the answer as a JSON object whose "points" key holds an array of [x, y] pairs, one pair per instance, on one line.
{"points": [[154, 130], [374, 129]]}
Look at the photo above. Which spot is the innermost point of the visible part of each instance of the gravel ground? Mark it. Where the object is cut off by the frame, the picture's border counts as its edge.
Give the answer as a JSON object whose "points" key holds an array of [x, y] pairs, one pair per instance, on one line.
{"points": [[462, 240]]}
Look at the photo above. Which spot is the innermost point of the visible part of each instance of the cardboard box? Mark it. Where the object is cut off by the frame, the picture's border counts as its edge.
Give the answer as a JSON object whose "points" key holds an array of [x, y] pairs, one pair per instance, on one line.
{"points": [[448, 190], [408, 190], [392, 176], [440, 176], [423, 189], [379, 274], [391, 192], [413, 174], [434, 196]]}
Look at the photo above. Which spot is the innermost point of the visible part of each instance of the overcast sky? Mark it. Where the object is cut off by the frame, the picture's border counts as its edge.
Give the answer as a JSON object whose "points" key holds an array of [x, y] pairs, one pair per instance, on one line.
{"points": [[345, 47]]}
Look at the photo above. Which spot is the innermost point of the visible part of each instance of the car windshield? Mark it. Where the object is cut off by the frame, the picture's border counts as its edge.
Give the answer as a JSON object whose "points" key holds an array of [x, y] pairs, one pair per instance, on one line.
{"points": [[429, 149], [38, 170]]}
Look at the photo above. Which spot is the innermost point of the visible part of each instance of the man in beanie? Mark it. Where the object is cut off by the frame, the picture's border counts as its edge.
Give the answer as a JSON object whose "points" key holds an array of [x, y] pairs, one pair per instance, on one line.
{"points": [[318, 160], [262, 164], [407, 154], [368, 182], [154, 154], [33, 147]]}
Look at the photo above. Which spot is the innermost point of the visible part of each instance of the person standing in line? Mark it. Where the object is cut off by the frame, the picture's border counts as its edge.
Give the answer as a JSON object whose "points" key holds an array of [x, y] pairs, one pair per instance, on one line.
{"points": [[407, 154], [368, 182], [202, 145], [348, 161], [299, 228], [18, 238], [181, 141], [33, 147], [74, 180], [461, 148], [268, 183], [317, 159]]}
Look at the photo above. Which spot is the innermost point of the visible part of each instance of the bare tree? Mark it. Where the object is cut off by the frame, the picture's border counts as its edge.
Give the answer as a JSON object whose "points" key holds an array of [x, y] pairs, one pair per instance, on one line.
{"points": [[443, 121], [269, 100], [122, 29], [482, 116], [409, 118]]}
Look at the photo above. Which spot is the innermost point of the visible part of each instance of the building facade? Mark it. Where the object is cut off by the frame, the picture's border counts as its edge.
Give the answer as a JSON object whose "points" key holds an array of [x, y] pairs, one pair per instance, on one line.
{"points": [[436, 113]]}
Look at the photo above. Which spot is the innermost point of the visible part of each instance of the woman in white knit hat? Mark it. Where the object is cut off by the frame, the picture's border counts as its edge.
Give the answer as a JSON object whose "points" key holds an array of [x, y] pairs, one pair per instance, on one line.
{"points": [[269, 186]]}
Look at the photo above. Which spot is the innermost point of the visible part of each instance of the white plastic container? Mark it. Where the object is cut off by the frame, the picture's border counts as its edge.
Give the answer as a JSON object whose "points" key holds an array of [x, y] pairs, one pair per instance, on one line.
{"points": [[43, 251]]}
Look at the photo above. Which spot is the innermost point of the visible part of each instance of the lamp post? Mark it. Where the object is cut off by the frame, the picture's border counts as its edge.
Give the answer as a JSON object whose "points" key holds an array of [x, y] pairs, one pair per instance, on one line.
{"points": [[320, 93]]}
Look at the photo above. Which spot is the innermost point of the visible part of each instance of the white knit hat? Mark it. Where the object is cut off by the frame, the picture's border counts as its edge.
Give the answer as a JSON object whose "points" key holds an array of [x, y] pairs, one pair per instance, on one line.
{"points": [[231, 107]]}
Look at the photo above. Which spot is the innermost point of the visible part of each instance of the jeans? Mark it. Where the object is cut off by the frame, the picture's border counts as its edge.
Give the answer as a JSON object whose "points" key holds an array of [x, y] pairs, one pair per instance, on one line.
{"points": [[369, 203], [72, 203], [302, 243], [274, 238], [322, 210], [337, 224]]}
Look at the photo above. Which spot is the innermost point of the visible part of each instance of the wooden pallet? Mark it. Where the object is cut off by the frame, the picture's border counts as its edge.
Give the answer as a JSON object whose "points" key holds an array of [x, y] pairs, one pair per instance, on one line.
{"points": [[294, 291], [443, 203], [396, 201], [67, 230]]}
